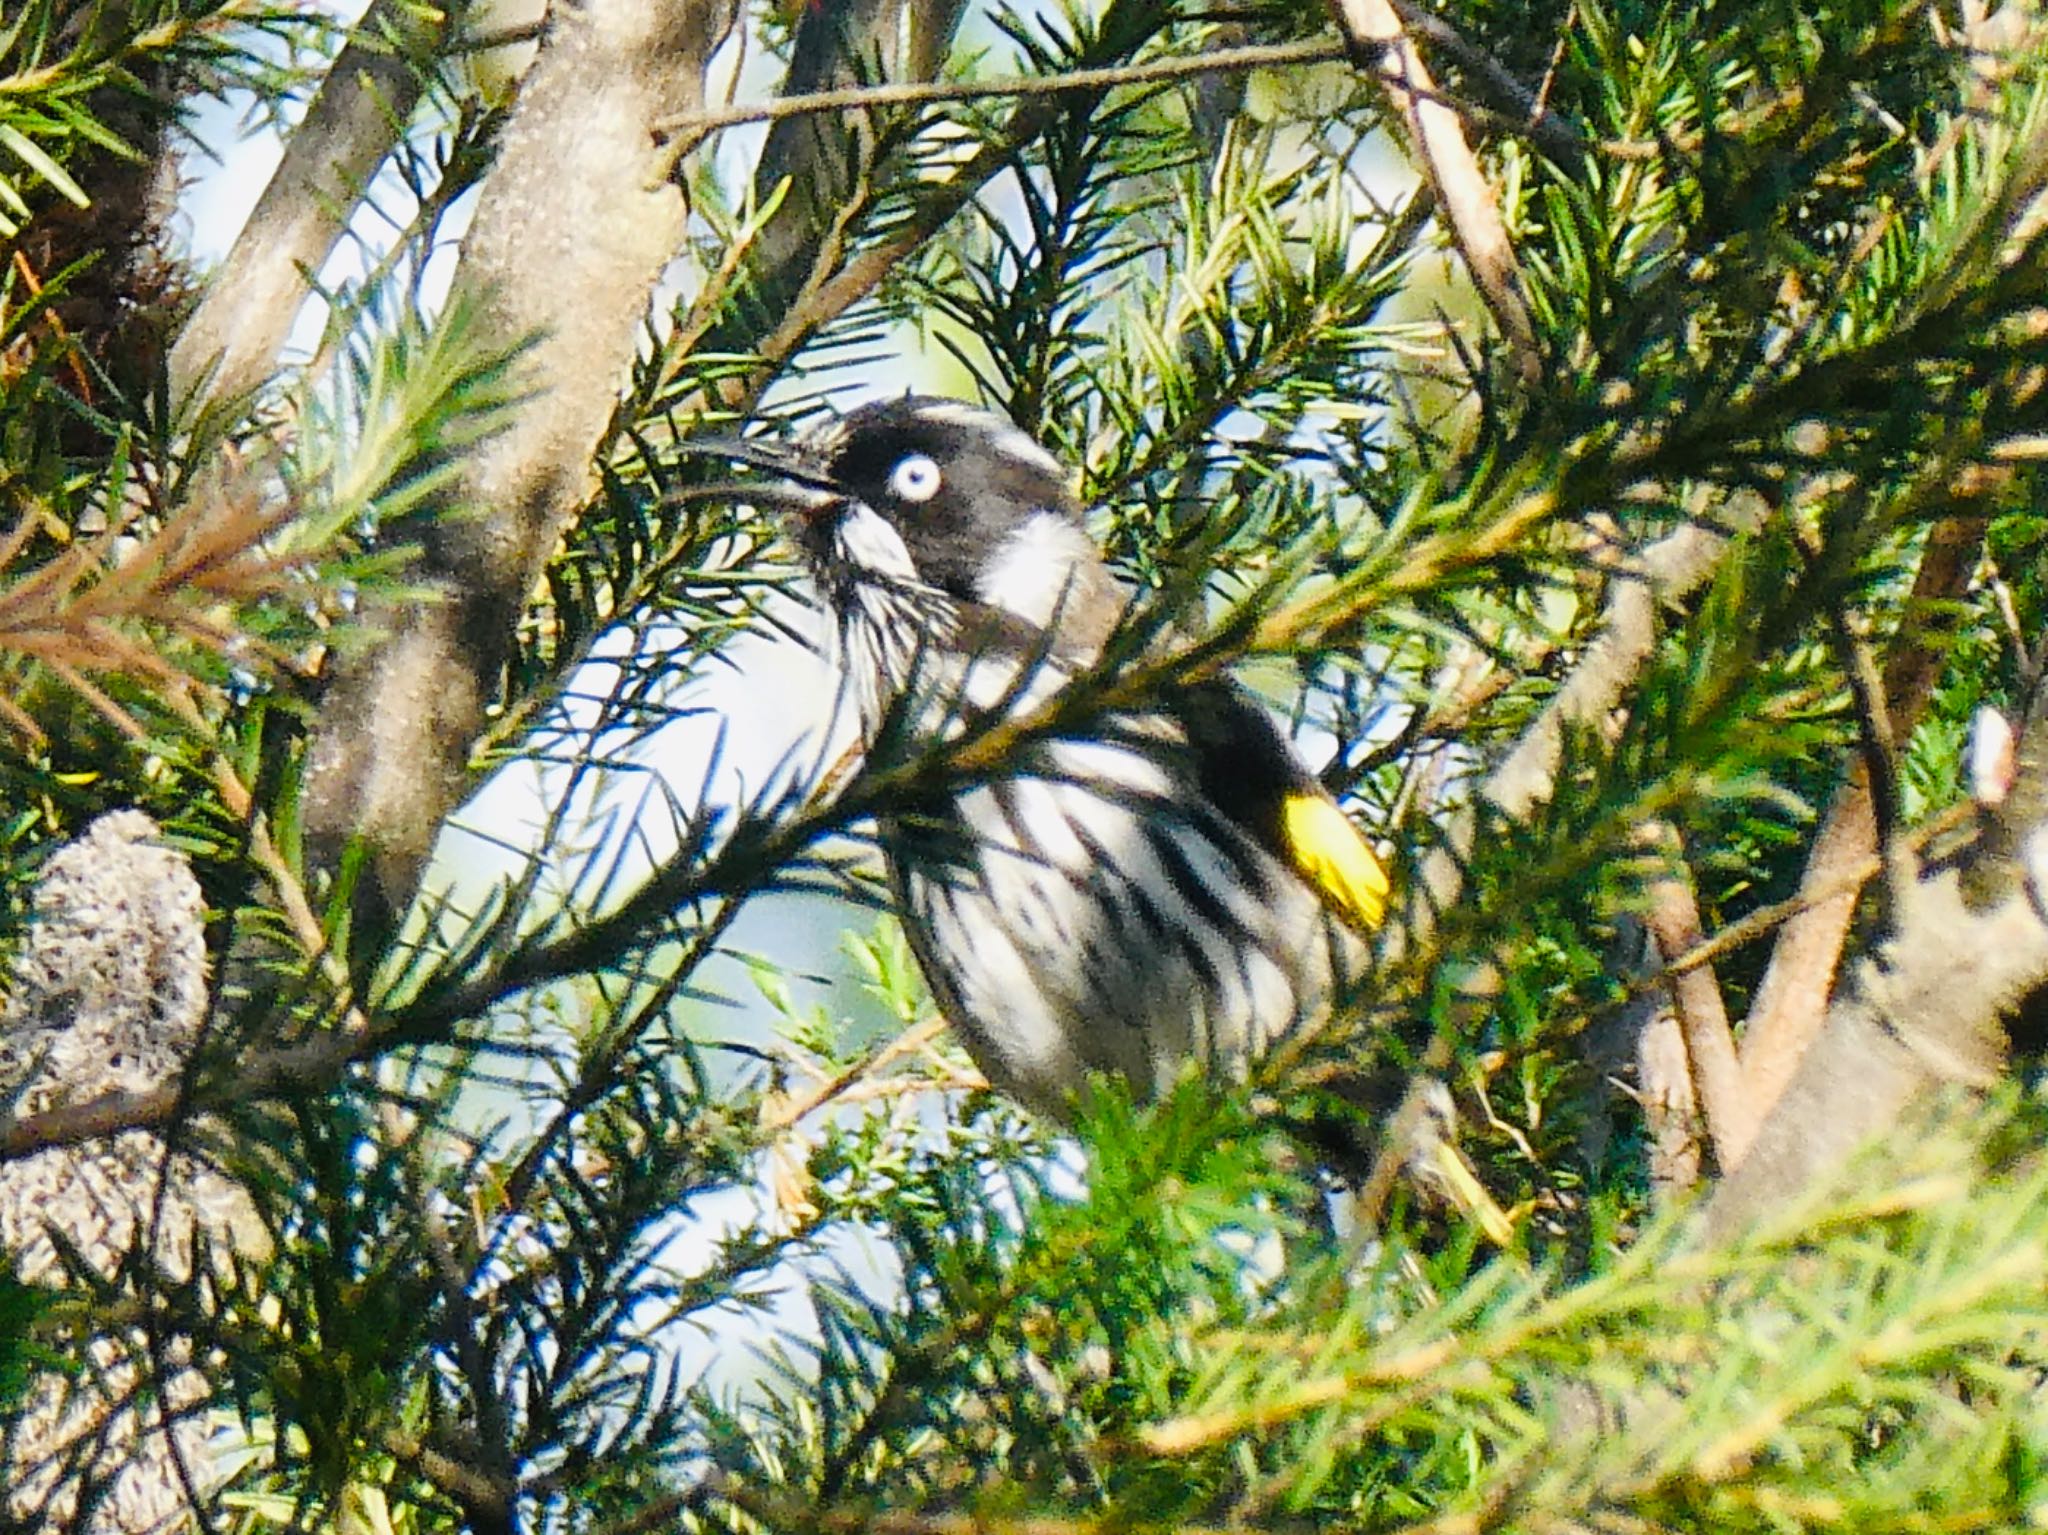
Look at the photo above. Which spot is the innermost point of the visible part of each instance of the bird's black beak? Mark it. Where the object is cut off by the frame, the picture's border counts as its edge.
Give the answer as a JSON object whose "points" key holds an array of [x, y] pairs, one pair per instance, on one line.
{"points": [[798, 485]]}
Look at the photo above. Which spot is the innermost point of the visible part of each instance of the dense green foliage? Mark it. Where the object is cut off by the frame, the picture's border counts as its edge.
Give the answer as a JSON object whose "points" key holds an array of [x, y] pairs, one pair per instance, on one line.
{"points": [[1790, 288]]}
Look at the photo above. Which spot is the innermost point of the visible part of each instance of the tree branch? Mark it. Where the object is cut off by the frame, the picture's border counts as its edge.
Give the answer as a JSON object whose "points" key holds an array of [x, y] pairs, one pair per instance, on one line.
{"points": [[572, 229], [1660, 574], [832, 287], [1665, 1091], [1920, 1013], [231, 343], [1673, 918], [1520, 108], [1791, 1000], [925, 93], [820, 163], [1437, 139]]}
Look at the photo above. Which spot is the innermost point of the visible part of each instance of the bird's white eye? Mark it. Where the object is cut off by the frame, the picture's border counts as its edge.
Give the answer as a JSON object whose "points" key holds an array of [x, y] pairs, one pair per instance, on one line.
{"points": [[917, 478]]}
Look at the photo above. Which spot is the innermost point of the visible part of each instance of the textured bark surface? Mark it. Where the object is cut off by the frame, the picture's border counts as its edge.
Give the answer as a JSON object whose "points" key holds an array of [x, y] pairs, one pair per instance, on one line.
{"points": [[572, 230], [231, 343], [110, 995], [1919, 1015]]}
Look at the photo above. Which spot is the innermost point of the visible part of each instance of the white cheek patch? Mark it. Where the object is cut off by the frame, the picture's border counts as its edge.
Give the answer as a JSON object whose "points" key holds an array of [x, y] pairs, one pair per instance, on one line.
{"points": [[1034, 570], [871, 546]]}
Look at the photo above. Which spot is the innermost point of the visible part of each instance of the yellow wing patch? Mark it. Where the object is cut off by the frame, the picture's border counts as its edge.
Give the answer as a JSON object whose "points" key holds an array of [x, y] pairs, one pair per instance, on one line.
{"points": [[1334, 857]]}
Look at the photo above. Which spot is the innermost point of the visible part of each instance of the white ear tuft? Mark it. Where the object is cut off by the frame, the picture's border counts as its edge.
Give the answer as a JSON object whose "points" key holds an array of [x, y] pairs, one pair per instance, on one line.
{"points": [[1037, 568]]}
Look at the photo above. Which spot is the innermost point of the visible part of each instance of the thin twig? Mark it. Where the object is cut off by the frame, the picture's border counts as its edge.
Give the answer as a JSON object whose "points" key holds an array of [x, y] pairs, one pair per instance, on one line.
{"points": [[782, 1111], [1519, 113], [925, 93], [823, 301], [1527, 111], [1765, 920], [1437, 137]]}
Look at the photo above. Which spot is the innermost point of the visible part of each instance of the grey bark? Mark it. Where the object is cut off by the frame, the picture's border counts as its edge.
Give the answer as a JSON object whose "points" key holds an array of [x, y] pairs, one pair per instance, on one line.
{"points": [[1919, 1015], [573, 228], [824, 156], [110, 995], [231, 343]]}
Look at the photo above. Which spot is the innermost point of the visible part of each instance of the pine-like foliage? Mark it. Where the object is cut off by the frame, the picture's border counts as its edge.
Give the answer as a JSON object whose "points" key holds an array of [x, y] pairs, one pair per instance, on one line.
{"points": [[1638, 594]]}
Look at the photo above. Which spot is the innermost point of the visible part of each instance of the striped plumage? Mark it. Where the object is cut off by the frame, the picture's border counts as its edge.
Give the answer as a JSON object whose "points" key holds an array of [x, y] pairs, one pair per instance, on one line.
{"points": [[1108, 903], [1122, 900]]}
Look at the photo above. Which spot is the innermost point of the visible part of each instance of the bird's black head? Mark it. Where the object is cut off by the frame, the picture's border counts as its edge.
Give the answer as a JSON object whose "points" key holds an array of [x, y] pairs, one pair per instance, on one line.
{"points": [[964, 490], [933, 493]]}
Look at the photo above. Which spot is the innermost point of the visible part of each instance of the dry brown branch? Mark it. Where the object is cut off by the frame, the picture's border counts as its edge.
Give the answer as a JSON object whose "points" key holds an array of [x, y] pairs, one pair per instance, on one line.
{"points": [[1708, 1045], [1436, 137], [783, 1111], [1791, 1001], [232, 341], [17, 356], [100, 606]]}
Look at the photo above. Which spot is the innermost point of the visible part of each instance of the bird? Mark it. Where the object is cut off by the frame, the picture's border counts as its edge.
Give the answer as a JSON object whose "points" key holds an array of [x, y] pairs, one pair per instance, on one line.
{"points": [[1168, 884]]}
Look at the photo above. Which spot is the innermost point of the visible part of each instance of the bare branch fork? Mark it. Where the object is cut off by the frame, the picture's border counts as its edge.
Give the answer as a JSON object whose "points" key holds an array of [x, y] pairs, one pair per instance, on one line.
{"points": [[1969, 940], [1790, 1007], [1673, 919], [388, 757]]}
